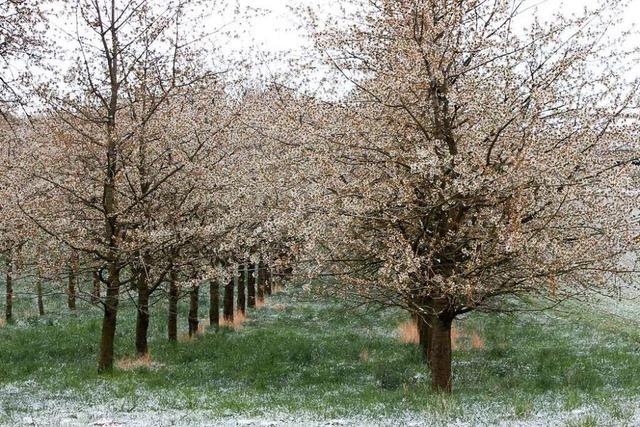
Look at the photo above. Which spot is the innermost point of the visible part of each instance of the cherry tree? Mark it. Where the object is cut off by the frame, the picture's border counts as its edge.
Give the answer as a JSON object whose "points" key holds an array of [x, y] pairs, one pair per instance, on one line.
{"points": [[21, 30], [93, 185], [22, 26], [471, 161]]}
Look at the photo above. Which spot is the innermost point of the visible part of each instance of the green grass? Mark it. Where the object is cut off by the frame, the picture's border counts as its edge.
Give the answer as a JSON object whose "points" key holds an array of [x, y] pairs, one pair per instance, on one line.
{"points": [[307, 358]]}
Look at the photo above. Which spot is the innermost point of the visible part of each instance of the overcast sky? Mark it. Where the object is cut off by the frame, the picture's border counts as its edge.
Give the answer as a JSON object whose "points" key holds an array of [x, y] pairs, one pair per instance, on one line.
{"points": [[276, 30]]}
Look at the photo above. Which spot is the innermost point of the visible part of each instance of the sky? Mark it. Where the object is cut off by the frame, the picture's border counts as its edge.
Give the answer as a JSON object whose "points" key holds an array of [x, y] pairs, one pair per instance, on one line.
{"points": [[276, 30]]}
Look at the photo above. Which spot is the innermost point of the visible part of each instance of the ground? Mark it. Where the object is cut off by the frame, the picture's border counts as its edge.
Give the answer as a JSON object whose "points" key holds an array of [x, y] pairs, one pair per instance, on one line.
{"points": [[296, 361]]}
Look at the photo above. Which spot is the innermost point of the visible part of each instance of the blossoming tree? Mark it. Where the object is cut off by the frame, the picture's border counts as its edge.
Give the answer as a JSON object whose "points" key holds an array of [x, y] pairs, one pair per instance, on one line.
{"points": [[471, 160]]}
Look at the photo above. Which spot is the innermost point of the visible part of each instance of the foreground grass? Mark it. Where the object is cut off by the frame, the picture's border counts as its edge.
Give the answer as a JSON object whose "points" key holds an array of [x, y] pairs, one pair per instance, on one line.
{"points": [[319, 359]]}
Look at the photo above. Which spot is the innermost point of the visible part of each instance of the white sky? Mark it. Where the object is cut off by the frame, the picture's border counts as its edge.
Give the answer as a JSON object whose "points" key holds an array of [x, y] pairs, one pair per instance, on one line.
{"points": [[277, 29]]}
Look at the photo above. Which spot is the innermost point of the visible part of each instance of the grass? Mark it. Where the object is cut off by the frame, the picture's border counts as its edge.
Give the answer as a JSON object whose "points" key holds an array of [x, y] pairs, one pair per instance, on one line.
{"points": [[293, 356]]}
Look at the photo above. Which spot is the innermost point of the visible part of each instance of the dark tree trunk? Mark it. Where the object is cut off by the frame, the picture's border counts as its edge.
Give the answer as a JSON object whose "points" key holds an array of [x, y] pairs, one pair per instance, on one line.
{"points": [[142, 319], [9, 288], [268, 278], [214, 304], [95, 291], [227, 310], [73, 278], [242, 303], [424, 332], [39, 296], [260, 282], [288, 273], [105, 360], [172, 323], [193, 310], [251, 285], [440, 353], [71, 291], [112, 225]]}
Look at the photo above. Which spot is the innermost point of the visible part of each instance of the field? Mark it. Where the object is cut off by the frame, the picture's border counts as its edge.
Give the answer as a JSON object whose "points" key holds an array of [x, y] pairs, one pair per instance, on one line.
{"points": [[295, 361]]}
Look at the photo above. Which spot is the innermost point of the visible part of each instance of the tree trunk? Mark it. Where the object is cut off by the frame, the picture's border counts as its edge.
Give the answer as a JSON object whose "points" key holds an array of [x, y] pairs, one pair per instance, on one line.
{"points": [[440, 353], [193, 310], [71, 291], [287, 273], [214, 304], [142, 318], [242, 303], [105, 361], [268, 278], [95, 291], [172, 323], [251, 285], [260, 282], [424, 331], [39, 297], [9, 288], [227, 310], [111, 223]]}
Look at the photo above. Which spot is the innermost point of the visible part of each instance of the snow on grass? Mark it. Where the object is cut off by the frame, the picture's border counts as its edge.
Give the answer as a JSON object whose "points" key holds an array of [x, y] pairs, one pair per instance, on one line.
{"points": [[39, 410], [298, 362]]}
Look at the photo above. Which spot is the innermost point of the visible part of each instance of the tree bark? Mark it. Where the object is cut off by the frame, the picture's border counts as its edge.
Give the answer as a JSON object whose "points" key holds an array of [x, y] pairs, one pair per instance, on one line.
{"points": [[95, 291], [251, 285], [110, 209], [9, 288], [440, 353], [424, 331], [193, 310], [260, 282], [242, 303], [142, 317], [39, 297], [105, 360], [214, 304], [172, 323], [268, 278], [227, 310], [287, 273], [73, 278]]}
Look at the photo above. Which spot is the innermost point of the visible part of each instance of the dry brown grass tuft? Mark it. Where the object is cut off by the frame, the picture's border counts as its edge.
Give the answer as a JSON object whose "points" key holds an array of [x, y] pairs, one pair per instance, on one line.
{"points": [[461, 339], [3, 322], [476, 340], [276, 288], [279, 307], [238, 319], [203, 325], [456, 336], [364, 355], [408, 332], [184, 337], [128, 363], [464, 339]]}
